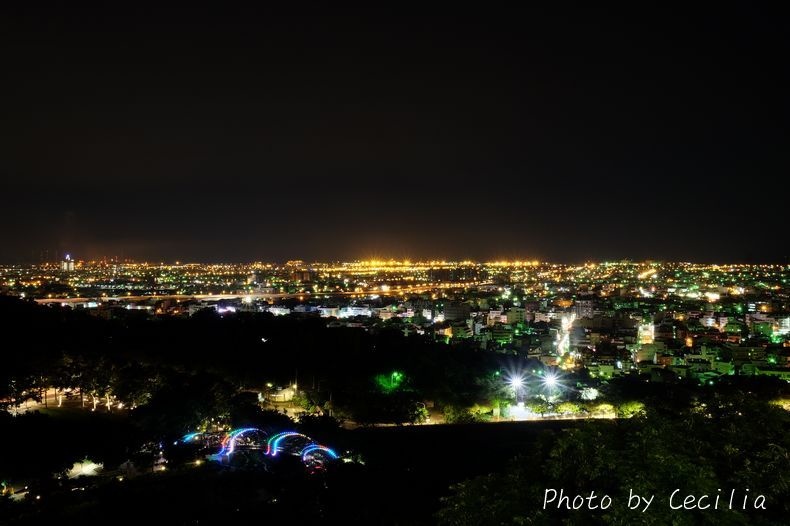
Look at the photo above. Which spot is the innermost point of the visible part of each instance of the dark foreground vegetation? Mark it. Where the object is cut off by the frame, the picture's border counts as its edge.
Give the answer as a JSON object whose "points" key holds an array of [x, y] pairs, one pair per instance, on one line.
{"points": [[172, 375]]}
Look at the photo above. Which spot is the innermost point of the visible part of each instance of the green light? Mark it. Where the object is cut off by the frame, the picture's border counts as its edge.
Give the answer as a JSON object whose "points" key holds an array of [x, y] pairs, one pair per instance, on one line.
{"points": [[390, 382]]}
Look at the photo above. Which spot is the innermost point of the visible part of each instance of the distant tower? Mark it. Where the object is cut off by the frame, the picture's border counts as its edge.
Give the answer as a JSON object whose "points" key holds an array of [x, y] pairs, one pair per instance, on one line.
{"points": [[67, 265]]}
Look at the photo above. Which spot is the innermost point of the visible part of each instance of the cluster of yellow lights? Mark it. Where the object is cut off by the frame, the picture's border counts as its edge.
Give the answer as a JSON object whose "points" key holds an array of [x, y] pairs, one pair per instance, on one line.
{"points": [[381, 263], [647, 273], [376, 264], [533, 263]]}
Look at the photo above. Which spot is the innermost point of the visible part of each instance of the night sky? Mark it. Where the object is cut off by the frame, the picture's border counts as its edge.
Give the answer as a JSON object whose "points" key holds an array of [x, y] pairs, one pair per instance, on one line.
{"points": [[251, 135]]}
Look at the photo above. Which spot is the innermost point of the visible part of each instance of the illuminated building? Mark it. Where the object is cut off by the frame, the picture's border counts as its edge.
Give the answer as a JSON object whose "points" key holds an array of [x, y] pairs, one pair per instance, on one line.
{"points": [[646, 333], [67, 265], [584, 308]]}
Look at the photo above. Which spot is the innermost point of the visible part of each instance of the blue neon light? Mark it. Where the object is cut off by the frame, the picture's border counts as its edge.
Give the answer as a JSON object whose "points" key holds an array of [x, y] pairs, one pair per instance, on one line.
{"points": [[312, 448]]}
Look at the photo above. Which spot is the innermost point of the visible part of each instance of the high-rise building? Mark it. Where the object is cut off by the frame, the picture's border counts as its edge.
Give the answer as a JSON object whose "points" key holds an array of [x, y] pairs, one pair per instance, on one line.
{"points": [[67, 265], [584, 308]]}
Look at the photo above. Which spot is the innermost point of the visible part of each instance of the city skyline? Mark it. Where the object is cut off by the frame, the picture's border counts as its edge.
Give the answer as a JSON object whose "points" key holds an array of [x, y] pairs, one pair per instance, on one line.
{"points": [[57, 258], [341, 265], [73, 281]]}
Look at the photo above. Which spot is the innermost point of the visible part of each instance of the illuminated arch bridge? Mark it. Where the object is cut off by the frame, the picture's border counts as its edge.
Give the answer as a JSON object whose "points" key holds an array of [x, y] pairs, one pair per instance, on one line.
{"points": [[288, 442]]}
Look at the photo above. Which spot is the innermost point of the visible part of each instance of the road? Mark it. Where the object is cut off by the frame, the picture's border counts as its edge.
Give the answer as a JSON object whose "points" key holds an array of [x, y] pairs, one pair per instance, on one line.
{"points": [[54, 399], [416, 289]]}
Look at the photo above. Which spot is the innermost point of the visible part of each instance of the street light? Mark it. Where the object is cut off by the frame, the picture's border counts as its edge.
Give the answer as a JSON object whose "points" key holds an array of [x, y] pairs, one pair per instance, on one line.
{"points": [[550, 382], [516, 382]]}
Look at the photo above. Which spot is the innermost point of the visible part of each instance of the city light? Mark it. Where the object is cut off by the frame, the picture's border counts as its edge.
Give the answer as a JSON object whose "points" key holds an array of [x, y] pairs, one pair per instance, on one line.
{"points": [[342, 266]]}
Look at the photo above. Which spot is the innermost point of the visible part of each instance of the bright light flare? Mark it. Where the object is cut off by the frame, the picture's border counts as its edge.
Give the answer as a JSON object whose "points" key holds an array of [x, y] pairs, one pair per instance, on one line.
{"points": [[516, 380], [550, 380], [86, 468]]}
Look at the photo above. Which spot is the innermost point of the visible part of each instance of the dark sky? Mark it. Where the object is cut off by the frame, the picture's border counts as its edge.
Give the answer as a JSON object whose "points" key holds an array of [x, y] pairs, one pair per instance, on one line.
{"points": [[251, 135]]}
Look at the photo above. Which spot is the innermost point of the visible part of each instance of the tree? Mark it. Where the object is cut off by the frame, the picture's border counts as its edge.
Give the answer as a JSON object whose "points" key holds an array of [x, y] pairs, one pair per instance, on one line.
{"points": [[537, 405], [184, 403], [134, 384], [650, 454], [323, 427], [604, 410], [568, 408], [630, 409], [460, 415]]}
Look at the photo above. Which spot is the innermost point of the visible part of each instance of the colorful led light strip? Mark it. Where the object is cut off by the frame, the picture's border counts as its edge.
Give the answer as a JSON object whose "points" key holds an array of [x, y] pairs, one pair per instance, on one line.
{"points": [[273, 444], [312, 448], [224, 443], [229, 442]]}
